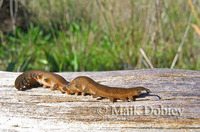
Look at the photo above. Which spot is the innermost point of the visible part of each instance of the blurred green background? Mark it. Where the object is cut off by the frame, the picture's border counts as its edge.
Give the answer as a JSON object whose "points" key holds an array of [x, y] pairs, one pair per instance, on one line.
{"points": [[99, 35]]}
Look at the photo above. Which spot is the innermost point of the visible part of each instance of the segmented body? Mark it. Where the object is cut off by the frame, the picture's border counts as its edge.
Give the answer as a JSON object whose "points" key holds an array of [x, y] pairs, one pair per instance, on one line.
{"points": [[83, 85], [34, 78]]}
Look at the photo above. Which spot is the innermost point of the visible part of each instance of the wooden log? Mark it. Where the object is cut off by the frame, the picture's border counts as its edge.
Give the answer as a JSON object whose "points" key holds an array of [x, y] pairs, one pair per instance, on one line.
{"points": [[173, 104]]}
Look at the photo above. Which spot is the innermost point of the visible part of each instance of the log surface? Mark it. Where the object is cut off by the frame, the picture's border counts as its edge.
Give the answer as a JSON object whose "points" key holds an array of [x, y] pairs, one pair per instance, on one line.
{"points": [[173, 104]]}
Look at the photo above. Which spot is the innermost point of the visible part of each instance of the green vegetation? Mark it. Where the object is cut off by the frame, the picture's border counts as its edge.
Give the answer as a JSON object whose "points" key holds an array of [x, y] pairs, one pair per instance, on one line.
{"points": [[88, 35]]}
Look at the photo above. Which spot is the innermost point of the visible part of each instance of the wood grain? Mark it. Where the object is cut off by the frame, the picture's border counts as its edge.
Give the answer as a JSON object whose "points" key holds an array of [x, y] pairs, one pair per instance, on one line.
{"points": [[173, 104]]}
